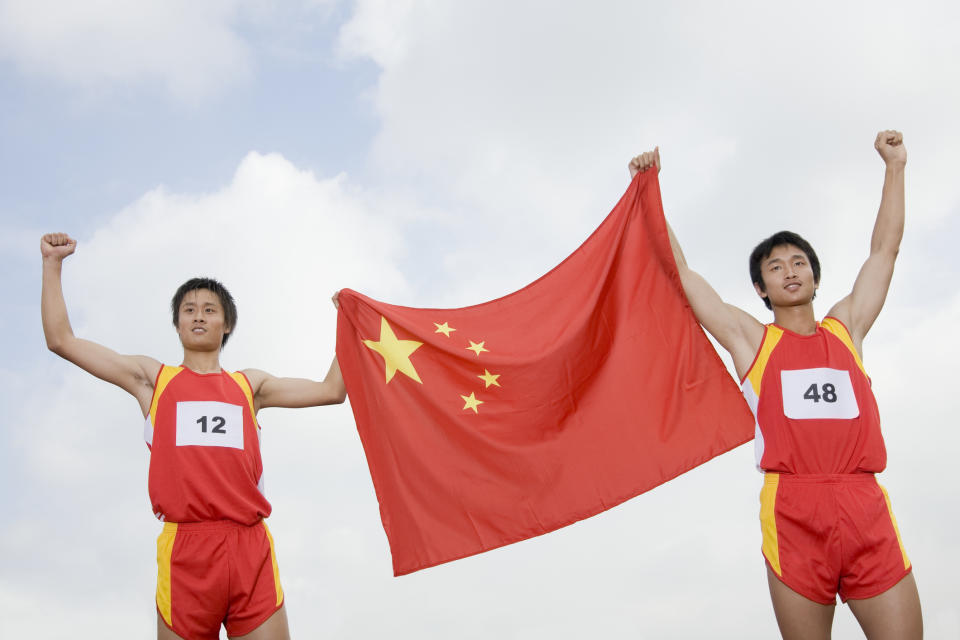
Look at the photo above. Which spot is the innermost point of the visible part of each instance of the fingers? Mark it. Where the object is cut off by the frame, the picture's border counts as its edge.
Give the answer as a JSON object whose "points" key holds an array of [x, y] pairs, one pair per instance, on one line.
{"points": [[57, 245], [335, 299], [58, 239], [889, 138], [645, 161]]}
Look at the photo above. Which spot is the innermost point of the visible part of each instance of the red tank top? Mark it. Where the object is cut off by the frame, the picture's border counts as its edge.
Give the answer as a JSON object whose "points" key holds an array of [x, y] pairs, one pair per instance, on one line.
{"points": [[204, 445], [814, 408]]}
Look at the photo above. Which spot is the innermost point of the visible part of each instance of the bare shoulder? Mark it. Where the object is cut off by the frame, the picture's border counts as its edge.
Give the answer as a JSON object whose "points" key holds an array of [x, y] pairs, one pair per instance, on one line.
{"points": [[841, 311], [256, 377]]}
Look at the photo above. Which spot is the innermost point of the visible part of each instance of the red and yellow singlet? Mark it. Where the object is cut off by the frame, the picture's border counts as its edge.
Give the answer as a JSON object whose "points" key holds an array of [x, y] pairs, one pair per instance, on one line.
{"points": [[815, 411], [204, 445]]}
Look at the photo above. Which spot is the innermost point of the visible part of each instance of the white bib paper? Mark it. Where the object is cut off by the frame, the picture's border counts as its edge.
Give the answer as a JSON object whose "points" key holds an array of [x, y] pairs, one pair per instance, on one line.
{"points": [[816, 394], [209, 424]]}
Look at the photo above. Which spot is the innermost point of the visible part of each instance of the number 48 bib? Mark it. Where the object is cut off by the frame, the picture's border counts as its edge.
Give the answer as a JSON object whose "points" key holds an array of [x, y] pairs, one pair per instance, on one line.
{"points": [[209, 424], [811, 394]]}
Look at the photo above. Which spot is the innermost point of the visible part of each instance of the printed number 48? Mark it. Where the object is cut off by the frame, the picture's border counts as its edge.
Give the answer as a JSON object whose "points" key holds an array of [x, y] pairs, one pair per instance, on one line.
{"points": [[827, 393], [218, 424]]}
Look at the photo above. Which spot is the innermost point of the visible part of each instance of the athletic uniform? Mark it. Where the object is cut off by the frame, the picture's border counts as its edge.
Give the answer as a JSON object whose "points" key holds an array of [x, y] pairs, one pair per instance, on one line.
{"points": [[216, 563], [827, 525]]}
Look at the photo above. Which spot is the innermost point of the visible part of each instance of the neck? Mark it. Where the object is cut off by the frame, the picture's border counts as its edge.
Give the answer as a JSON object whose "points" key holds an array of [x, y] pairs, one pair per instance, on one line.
{"points": [[202, 361], [799, 319]]}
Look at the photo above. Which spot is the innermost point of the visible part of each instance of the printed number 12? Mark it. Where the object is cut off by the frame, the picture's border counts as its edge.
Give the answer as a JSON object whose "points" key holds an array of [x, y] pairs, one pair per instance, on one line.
{"points": [[218, 424]]}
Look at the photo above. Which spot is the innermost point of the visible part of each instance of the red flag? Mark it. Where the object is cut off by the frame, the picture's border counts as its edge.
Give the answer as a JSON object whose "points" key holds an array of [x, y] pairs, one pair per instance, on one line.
{"points": [[494, 423]]}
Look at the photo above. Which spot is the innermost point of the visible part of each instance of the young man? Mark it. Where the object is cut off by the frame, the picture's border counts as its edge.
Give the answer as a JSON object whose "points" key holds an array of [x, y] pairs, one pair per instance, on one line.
{"points": [[827, 526], [215, 556]]}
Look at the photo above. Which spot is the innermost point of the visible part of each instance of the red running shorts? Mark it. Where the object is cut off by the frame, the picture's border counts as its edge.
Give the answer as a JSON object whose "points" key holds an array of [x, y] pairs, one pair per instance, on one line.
{"points": [[829, 535], [213, 573]]}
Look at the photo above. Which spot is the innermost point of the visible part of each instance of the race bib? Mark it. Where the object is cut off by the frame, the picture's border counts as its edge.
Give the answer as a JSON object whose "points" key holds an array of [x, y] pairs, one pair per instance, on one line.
{"points": [[209, 424], [811, 394]]}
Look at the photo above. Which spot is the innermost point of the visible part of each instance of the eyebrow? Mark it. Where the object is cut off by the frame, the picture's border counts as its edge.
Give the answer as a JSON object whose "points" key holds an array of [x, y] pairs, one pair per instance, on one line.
{"points": [[793, 257]]}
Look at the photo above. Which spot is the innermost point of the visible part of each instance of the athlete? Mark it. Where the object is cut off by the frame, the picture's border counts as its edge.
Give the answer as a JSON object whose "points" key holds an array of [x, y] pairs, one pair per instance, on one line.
{"points": [[215, 555], [826, 524]]}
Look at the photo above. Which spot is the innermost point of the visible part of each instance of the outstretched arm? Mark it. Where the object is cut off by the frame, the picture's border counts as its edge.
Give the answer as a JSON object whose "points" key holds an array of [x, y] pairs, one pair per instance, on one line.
{"points": [[295, 393], [134, 374], [860, 308], [736, 330]]}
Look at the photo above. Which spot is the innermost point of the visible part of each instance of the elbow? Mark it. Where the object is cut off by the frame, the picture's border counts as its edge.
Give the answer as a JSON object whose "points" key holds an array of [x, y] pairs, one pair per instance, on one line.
{"points": [[340, 396], [56, 346]]}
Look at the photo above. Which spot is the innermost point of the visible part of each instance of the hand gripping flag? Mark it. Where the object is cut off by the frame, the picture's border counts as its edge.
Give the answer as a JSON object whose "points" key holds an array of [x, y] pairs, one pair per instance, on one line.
{"points": [[494, 423]]}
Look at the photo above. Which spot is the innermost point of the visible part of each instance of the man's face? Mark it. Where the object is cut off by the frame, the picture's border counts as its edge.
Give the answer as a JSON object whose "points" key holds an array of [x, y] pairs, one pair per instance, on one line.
{"points": [[787, 276], [200, 321]]}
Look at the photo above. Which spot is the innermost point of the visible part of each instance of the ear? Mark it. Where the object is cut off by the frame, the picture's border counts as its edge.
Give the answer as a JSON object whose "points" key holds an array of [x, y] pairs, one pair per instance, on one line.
{"points": [[760, 292]]}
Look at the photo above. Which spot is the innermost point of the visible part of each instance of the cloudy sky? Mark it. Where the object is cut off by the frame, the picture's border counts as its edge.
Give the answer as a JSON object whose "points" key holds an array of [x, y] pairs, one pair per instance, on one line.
{"points": [[441, 154]]}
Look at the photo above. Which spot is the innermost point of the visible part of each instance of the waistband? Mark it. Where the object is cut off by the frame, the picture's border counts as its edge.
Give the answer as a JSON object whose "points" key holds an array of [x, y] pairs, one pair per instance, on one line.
{"points": [[208, 525], [819, 478]]}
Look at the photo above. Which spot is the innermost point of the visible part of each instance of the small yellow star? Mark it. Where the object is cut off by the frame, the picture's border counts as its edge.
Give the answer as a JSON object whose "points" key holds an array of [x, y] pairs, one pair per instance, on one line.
{"points": [[396, 353], [471, 402], [444, 328], [477, 348], [490, 378]]}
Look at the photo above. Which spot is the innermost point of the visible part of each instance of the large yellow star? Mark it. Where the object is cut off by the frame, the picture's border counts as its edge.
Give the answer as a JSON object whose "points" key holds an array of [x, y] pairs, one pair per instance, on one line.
{"points": [[471, 402], [396, 353], [477, 348], [490, 378], [444, 328]]}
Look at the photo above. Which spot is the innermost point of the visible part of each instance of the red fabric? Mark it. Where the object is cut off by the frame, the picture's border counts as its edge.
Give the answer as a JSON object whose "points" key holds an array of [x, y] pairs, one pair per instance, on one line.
{"points": [[836, 535], [221, 573], [201, 483], [818, 445], [608, 388]]}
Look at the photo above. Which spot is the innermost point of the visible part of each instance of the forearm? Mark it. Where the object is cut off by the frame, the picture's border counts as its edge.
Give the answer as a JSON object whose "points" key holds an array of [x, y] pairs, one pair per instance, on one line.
{"points": [[888, 229], [677, 251], [334, 382], [294, 393], [53, 307]]}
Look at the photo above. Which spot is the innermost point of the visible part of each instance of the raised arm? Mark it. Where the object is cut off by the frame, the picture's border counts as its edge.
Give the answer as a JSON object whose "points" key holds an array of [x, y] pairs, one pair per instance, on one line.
{"points": [[134, 374], [294, 393], [860, 308], [736, 330]]}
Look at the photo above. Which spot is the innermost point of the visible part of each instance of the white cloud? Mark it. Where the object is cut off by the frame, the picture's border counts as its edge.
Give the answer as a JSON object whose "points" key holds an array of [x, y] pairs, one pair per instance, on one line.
{"points": [[520, 120], [190, 49]]}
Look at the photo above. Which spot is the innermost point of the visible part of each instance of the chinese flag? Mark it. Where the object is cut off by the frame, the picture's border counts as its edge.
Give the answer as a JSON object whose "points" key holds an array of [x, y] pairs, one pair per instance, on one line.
{"points": [[494, 423]]}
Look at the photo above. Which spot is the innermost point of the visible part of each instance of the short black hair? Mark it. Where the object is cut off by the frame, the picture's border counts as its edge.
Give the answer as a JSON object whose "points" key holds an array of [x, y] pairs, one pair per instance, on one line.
{"points": [[763, 250], [226, 301]]}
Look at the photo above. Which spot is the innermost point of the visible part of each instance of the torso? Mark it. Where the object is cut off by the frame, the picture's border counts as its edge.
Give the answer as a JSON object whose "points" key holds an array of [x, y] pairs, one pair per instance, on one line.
{"points": [[205, 448], [815, 411]]}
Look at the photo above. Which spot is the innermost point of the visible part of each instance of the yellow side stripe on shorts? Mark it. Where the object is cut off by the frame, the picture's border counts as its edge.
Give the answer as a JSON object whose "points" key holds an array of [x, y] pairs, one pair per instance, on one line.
{"points": [[164, 553], [768, 522], [276, 570], [896, 529]]}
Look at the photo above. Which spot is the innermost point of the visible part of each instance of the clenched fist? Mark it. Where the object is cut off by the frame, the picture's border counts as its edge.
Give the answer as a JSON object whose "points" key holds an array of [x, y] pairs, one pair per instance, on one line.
{"points": [[57, 246]]}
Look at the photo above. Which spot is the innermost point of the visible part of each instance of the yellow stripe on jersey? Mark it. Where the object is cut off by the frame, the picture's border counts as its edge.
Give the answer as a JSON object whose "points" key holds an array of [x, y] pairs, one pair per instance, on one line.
{"points": [[164, 553], [166, 375], [770, 339], [768, 521], [836, 327], [276, 570], [896, 529], [241, 381]]}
